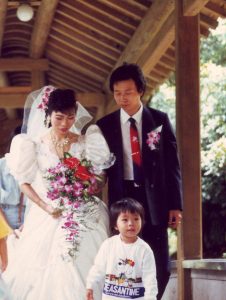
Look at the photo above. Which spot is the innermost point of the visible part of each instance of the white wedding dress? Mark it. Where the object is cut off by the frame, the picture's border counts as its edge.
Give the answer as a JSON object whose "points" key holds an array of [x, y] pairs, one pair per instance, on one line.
{"points": [[36, 269]]}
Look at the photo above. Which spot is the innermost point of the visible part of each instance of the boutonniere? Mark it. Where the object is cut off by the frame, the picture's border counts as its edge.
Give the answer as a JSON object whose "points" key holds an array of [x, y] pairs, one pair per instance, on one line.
{"points": [[154, 138]]}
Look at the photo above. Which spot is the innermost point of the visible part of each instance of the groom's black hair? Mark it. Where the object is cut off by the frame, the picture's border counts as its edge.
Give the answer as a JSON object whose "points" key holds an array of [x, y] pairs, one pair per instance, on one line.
{"points": [[129, 71], [125, 205]]}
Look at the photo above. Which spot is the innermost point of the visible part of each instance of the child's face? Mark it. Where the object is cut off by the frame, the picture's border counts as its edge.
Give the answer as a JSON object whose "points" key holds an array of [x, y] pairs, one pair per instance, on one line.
{"points": [[129, 226]]}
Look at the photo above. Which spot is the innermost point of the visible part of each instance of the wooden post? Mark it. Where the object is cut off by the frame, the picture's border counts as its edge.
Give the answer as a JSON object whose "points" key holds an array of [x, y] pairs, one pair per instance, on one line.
{"points": [[188, 133], [37, 79]]}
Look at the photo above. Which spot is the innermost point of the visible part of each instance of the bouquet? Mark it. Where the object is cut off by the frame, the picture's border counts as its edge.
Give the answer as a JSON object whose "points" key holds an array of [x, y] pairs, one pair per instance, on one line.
{"points": [[72, 185]]}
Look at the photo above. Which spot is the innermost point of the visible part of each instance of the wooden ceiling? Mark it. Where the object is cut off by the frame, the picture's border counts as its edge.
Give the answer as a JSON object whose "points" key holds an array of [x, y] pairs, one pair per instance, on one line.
{"points": [[84, 40]]}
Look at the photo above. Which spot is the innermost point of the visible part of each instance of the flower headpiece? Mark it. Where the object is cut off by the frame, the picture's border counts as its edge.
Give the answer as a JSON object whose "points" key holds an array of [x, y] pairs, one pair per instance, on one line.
{"points": [[43, 105]]}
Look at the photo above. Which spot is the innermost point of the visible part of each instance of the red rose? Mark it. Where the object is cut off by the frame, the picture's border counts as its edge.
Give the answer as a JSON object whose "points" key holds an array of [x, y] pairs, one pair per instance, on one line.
{"points": [[82, 173], [71, 162]]}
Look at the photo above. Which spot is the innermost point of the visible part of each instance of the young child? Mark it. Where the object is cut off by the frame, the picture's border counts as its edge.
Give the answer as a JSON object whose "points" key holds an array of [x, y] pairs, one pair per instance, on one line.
{"points": [[125, 264]]}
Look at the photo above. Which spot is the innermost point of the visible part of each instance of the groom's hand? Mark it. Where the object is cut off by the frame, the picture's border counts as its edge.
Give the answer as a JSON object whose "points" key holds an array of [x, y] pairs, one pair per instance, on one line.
{"points": [[175, 217]]}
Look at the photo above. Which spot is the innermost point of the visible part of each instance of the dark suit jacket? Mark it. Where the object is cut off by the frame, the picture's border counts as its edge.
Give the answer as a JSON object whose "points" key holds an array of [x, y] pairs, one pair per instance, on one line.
{"points": [[162, 177]]}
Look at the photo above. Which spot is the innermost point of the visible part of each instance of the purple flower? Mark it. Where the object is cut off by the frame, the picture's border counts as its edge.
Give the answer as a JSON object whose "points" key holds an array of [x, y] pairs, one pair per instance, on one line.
{"points": [[71, 193]]}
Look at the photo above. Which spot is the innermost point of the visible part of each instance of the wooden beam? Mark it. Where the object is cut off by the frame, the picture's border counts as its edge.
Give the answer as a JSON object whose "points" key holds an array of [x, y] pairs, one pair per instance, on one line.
{"points": [[13, 97], [23, 64], [17, 3], [41, 29], [3, 79], [158, 45], [91, 99], [193, 7], [37, 79], [188, 133], [146, 31], [3, 10], [72, 64]]}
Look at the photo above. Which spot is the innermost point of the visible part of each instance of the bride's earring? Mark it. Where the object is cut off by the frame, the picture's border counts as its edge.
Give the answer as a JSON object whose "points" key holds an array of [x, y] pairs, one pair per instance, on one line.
{"points": [[47, 122]]}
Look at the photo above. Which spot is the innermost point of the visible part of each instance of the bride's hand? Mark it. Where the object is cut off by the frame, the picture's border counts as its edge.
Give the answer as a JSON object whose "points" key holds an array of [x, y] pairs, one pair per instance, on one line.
{"points": [[54, 212]]}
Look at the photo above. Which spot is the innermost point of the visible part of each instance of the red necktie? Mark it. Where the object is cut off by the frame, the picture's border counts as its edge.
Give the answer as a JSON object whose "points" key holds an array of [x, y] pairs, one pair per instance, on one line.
{"points": [[135, 151]]}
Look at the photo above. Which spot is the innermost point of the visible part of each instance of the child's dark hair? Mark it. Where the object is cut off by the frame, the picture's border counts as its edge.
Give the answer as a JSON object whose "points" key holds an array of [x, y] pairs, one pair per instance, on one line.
{"points": [[125, 204], [126, 72]]}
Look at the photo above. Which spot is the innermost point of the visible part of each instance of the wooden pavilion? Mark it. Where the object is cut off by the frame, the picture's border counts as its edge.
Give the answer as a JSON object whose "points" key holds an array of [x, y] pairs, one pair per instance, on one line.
{"points": [[77, 43]]}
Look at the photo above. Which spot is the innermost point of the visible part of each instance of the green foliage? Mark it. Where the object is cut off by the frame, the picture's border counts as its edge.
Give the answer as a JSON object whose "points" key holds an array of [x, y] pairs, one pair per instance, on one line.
{"points": [[213, 140], [213, 48], [164, 100]]}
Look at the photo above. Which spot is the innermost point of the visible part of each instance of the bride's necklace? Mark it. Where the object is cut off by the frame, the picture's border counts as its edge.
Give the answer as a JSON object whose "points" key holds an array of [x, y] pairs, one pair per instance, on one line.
{"points": [[59, 145]]}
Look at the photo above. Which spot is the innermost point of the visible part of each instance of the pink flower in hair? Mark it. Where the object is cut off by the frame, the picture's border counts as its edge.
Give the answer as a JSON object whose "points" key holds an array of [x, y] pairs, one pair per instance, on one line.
{"points": [[45, 97]]}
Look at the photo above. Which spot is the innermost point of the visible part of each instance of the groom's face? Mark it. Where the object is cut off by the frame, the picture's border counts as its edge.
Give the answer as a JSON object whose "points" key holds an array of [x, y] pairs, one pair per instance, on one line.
{"points": [[126, 96]]}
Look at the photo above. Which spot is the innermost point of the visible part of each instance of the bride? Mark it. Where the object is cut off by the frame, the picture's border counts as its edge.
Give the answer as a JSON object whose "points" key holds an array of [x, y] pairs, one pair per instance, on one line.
{"points": [[56, 249]]}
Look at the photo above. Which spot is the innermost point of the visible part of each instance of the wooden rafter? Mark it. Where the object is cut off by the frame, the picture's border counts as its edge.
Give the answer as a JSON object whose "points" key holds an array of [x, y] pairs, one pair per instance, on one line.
{"points": [[13, 97], [41, 29], [3, 9], [158, 45], [23, 64], [150, 25], [193, 7]]}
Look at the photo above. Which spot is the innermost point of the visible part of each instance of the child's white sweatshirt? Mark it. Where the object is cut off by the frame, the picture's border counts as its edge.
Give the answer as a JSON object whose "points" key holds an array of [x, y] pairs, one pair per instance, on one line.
{"points": [[126, 270]]}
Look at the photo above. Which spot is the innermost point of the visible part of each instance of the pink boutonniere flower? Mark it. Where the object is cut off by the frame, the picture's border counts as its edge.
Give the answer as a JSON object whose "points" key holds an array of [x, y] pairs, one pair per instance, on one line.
{"points": [[154, 138]]}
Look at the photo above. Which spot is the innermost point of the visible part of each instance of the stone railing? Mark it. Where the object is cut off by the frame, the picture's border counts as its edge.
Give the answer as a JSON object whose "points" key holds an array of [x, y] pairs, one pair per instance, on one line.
{"points": [[208, 279]]}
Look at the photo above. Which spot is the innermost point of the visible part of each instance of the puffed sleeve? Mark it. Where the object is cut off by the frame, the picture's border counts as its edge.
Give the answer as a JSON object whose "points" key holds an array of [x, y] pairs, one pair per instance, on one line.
{"points": [[96, 148], [22, 159]]}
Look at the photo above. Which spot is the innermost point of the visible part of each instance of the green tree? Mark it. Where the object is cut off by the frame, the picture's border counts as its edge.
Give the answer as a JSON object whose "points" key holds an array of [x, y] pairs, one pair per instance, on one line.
{"points": [[213, 140]]}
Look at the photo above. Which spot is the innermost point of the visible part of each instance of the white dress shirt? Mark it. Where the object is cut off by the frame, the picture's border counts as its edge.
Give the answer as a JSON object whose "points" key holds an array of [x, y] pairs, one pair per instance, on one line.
{"points": [[125, 127]]}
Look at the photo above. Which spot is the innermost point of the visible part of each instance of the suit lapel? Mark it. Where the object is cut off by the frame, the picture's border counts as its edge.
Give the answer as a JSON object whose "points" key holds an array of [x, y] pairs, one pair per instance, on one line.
{"points": [[117, 139], [148, 124]]}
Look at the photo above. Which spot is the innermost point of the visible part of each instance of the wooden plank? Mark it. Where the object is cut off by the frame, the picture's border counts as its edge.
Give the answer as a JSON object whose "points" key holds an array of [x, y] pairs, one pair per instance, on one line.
{"points": [[75, 75], [23, 64], [81, 32], [13, 97], [216, 9], [41, 28], [73, 62], [91, 99], [113, 13], [188, 133], [93, 24], [8, 90], [108, 50], [158, 45], [17, 3], [149, 27], [3, 79], [193, 7], [37, 80], [73, 81], [208, 22], [85, 53], [155, 17], [3, 10], [108, 21]]}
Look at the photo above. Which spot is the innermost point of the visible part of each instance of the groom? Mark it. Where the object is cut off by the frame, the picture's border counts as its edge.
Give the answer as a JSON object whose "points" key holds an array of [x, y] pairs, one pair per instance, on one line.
{"points": [[147, 166]]}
